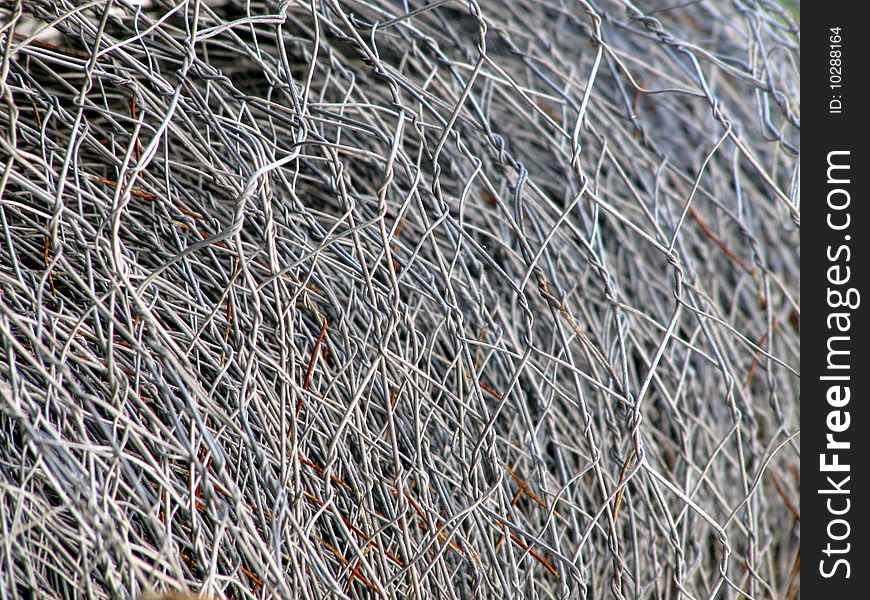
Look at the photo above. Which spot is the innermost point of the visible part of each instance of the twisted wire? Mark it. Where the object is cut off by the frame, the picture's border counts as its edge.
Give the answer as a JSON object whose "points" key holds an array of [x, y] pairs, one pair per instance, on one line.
{"points": [[354, 299]]}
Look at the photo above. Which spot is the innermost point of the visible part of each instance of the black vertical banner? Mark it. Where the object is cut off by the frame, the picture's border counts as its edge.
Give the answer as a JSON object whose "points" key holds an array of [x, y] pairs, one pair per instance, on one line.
{"points": [[835, 432]]}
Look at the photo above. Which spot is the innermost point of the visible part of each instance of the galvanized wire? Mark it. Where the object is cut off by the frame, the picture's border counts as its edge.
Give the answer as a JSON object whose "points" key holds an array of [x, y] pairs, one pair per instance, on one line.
{"points": [[339, 298]]}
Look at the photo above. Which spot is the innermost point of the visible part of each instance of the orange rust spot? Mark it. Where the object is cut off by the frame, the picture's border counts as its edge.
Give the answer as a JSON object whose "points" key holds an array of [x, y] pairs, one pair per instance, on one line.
{"points": [[311, 364], [425, 525], [47, 261], [187, 558], [534, 555], [62, 49], [754, 364], [321, 470], [636, 100], [256, 582], [399, 227], [722, 245], [395, 247], [617, 500], [524, 487], [353, 569], [489, 390], [356, 530], [136, 141], [133, 192], [189, 213], [479, 339], [551, 111]]}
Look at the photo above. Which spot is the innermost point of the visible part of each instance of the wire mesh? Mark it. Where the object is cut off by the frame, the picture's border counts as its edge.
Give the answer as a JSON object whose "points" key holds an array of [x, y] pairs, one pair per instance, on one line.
{"points": [[340, 298]]}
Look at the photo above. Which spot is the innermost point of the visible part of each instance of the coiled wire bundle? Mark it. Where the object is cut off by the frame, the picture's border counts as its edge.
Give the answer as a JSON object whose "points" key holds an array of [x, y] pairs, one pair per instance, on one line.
{"points": [[444, 299]]}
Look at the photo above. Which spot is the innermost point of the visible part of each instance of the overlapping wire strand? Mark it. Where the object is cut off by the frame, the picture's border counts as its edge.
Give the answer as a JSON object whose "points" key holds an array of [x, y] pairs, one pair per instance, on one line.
{"points": [[340, 298]]}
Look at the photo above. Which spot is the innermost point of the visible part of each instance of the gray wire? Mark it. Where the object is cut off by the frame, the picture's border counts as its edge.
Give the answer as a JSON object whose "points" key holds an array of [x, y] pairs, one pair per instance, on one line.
{"points": [[340, 298]]}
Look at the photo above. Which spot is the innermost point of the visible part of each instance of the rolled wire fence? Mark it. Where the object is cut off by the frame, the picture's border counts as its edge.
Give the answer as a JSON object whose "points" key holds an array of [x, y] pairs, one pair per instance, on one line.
{"points": [[357, 299]]}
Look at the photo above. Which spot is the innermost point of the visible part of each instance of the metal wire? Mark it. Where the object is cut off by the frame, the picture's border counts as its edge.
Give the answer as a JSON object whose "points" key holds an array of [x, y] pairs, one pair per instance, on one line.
{"points": [[339, 298]]}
